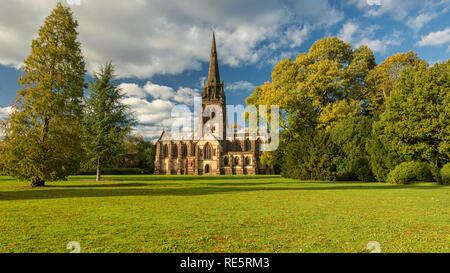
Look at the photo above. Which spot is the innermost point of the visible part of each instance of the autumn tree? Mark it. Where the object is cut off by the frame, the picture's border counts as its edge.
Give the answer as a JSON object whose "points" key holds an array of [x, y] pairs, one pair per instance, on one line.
{"points": [[381, 80], [317, 90], [320, 87], [107, 120], [42, 138]]}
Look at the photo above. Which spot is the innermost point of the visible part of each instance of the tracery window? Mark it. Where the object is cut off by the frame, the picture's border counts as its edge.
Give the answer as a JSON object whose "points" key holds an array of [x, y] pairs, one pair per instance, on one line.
{"points": [[166, 151], [208, 151]]}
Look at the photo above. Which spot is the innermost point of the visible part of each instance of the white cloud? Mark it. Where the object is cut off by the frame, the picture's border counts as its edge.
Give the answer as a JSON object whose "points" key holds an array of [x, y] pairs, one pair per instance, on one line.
{"points": [[240, 86], [297, 36], [152, 105], [4, 112], [149, 37], [419, 21], [437, 38], [182, 95], [347, 32], [356, 35], [397, 9]]}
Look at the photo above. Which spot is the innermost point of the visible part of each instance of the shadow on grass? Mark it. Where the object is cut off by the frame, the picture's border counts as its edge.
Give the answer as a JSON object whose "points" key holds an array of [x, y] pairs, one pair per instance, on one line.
{"points": [[146, 178], [78, 192]]}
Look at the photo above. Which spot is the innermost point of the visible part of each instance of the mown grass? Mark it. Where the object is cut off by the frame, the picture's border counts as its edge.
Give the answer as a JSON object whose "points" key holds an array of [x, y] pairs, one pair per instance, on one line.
{"points": [[222, 214]]}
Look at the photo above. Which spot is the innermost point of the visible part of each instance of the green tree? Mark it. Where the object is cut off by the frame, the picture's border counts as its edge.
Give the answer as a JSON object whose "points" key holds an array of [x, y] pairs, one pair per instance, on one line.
{"points": [[314, 161], [351, 135], [138, 153], [416, 123], [381, 80], [317, 90], [107, 121], [42, 139], [382, 159]]}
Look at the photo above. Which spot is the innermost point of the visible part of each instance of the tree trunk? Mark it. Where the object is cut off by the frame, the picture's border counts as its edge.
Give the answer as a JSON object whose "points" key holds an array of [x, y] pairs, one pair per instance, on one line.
{"points": [[99, 172], [37, 182]]}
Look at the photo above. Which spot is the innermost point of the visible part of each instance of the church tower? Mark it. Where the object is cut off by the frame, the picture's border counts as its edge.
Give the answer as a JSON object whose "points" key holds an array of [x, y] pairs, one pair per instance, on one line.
{"points": [[213, 110]]}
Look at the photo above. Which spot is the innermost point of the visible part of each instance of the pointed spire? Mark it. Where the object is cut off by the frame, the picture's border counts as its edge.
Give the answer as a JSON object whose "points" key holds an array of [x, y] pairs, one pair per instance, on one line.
{"points": [[213, 74]]}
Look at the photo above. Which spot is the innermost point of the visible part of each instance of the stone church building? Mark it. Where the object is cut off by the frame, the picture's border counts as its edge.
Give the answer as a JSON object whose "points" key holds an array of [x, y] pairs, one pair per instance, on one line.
{"points": [[210, 150]]}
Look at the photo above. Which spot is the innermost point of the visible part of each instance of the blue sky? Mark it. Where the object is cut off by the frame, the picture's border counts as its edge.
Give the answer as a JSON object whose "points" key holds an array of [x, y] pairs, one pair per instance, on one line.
{"points": [[161, 48]]}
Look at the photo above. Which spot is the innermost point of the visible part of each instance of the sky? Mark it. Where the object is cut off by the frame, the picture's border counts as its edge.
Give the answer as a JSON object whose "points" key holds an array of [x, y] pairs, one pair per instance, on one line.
{"points": [[161, 48]]}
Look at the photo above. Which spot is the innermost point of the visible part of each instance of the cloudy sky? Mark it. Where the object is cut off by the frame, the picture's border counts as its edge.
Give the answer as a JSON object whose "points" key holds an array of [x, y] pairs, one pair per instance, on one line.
{"points": [[161, 47]]}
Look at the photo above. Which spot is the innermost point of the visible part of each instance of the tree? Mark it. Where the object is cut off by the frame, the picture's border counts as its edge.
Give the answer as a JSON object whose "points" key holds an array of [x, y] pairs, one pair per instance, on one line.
{"points": [[317, 90], [107, 121], [320, 87], [42, 139], [350, 136], [381, 80], [138, 153], [314, 161], [416, 123], [382, 159]]}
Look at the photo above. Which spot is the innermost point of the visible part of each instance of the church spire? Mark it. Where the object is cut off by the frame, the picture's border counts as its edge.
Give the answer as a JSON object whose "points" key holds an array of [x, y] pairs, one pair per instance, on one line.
{"points": [[213, 74]]}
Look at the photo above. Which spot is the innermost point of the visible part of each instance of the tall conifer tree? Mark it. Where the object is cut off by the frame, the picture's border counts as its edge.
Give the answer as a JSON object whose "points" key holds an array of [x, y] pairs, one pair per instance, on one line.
{"points": [[42, 138], [107, 120]]}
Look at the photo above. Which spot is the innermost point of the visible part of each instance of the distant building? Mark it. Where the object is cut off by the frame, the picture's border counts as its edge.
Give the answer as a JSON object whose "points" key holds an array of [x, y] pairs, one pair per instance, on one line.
{"points": [[210, 152]]}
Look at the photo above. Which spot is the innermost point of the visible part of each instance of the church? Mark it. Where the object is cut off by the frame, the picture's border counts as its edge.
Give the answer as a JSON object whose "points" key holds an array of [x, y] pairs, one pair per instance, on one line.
{"points": [[210, 150]]}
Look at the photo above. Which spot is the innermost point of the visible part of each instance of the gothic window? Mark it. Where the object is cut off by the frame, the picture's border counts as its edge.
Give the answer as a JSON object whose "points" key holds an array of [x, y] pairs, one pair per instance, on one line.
{"points": [[193, 149], [247, 161], [237, 146], [174, 150], [236, 160], [166, 151], [247, 145], [208, 151], [183, 150], [225, 161]]}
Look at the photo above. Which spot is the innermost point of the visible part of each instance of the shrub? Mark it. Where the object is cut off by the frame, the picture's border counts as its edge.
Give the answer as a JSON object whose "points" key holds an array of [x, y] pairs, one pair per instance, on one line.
{"points": [[310, 156], [409, 172], [350, 136], [445, 174], [381, 159]]}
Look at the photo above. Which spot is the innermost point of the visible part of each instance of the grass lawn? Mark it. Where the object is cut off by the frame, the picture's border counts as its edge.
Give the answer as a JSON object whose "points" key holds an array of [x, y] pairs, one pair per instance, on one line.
{"points": [[222, 214]]}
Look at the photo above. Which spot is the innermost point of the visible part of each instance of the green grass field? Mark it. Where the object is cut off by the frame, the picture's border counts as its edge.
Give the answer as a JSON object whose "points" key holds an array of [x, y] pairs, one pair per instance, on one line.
{"points": [[222, 214]]}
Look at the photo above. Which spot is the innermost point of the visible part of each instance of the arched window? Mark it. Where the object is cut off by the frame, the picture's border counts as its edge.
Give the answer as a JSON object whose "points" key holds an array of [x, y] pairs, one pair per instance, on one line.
{"points": [[225, 161], [208, 151], [237, 146], [166, 151], [174, 150], [183, 150], [193, 149], [247, 145], [247, 161], [236, 160]]}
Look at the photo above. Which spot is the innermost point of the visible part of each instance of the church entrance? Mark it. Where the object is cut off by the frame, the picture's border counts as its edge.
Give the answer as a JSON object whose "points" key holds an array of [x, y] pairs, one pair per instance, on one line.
{"points": [[207, 170]]}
